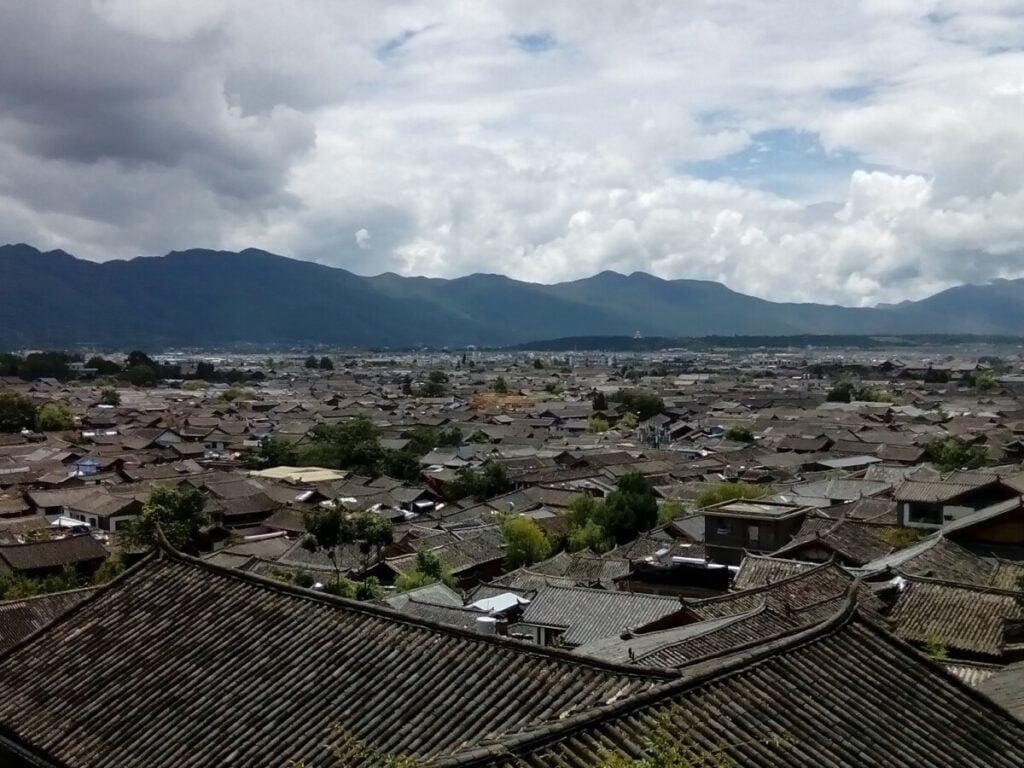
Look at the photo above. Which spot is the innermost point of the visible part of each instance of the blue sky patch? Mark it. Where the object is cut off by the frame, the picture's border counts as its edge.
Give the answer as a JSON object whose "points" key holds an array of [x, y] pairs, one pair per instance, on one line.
{"points": [[535, 42], [786, 162]]}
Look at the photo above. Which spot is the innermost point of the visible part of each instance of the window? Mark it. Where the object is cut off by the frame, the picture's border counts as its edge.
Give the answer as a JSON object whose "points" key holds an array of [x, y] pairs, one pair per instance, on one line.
{"points": [[724, 528], [924, 514], [754, 535]]}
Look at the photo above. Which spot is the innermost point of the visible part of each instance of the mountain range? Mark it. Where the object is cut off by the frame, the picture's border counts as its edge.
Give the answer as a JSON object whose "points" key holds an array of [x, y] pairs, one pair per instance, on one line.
{"points": [[221, 298]]}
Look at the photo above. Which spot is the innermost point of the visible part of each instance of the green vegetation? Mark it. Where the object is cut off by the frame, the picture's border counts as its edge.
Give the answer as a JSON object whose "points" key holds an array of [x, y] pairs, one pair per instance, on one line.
{"points": [[934, 647], [55, 417], [845, 392], [330, 530], [312, 362], [669, 511], [500, 386], [14, 586], [597, 425], [180, 513], [624, 513], [16, 412], [599, 402], [950, 453], [232, 394], [354, 445], [436, 385], [716, 493], [110, 396], [637, 401], [429, 569], [899, 538], [326, 364], [479, 484], [985, 381], [739, 433], [525, 542]]}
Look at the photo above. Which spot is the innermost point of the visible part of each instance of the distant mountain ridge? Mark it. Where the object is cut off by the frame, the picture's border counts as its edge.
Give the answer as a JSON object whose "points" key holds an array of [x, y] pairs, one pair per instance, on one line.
{"points": [[221, 298]]}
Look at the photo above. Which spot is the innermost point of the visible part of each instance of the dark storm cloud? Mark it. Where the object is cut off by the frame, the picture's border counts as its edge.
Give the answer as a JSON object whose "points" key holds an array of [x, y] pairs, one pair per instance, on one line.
{"points": [[75, 89]]}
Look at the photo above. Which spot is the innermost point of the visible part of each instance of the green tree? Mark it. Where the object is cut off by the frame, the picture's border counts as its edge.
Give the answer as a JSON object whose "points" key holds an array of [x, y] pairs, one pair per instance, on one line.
{"points": [[525, 542], [326, 364], [429, 569], [16, 412], [538, 364], [138, 357], [272, 452], [599, 402], [110, 396], [140, 375], [373, 533], [630, 509], [55, 417], [597, 425], [985, 381], [500, 386], [328, 530], [353, 444], [482, 485], [950, 453], [842, 392], [640, 402], [180, 513], [103, 366], [206, 371], [591, 535], [739, 433], [312, 362]]}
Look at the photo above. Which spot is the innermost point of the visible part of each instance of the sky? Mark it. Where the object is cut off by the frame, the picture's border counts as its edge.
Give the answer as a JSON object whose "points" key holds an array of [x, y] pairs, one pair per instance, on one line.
{"points": [[841, 151]]}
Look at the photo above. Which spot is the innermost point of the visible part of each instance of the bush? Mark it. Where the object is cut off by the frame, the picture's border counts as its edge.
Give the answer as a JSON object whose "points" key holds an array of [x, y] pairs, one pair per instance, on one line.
{"points": [[950, 453], [110, 396], [637, 401], [597, 425], [739, 433], [55, 417], [525, 542]]}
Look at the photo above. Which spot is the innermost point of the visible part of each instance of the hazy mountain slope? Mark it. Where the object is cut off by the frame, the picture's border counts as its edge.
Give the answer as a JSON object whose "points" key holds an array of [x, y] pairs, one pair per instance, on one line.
{"points": [[201, 297]]}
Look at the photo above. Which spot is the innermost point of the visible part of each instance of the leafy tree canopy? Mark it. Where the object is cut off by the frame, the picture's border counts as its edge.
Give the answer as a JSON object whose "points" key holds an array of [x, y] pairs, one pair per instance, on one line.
{"points": [[17, 412], [180, 513]]}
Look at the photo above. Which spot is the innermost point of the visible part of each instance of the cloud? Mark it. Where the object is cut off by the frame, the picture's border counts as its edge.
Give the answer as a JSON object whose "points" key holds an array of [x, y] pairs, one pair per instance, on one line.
{"points": [[852, 152]]}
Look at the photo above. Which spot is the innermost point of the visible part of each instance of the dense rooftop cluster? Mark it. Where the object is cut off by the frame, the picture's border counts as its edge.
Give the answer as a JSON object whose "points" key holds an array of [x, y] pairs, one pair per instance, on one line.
{"points": [[760, 558]]}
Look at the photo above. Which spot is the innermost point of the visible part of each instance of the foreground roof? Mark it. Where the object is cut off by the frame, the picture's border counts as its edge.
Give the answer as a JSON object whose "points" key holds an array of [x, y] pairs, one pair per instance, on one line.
{"points": [[181, 663], [844, 693]]}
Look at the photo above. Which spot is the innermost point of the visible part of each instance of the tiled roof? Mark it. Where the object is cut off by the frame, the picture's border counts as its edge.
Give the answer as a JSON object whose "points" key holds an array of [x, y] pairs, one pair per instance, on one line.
{"points": [[758, 571], [180, 663], [589, 614], [962, 618], [20, 618], [937, 557], [50, 554], [1006, 688], [757, 626], [800, 592], [844, 693]]}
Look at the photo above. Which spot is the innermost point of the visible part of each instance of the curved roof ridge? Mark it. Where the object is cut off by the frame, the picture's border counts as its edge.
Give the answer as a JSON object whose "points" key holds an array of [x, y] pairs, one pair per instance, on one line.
{"points": [[707, 669], [389, 614], [815, 568]]}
